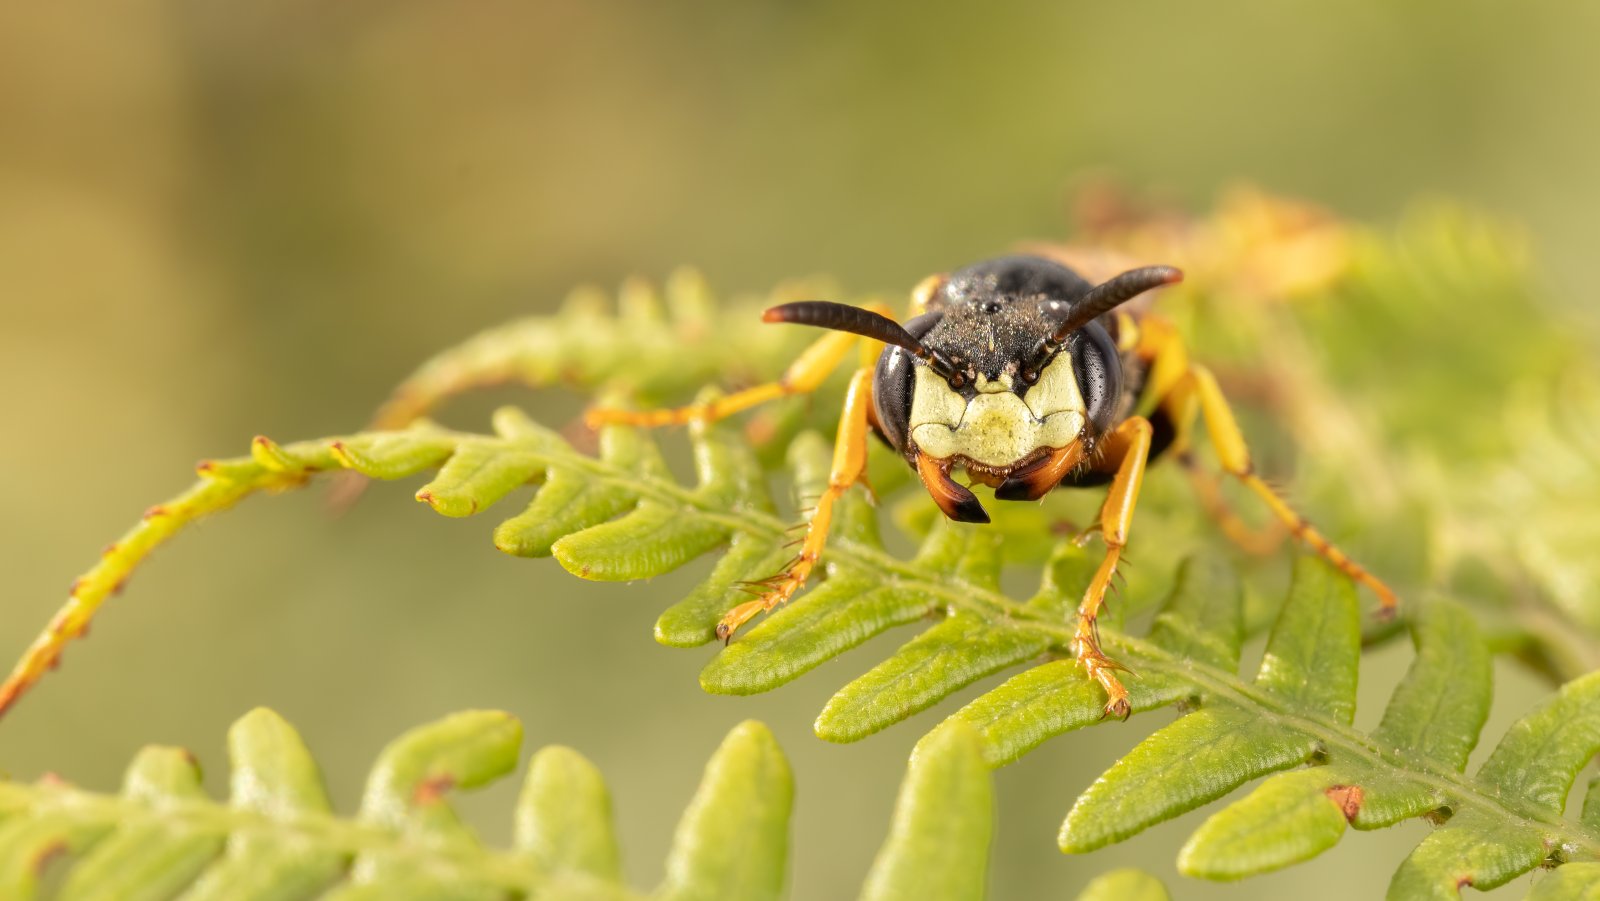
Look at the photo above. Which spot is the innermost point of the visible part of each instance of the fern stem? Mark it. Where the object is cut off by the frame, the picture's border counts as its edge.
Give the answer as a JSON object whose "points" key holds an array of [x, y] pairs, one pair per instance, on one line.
{"points": [[221, 485]]}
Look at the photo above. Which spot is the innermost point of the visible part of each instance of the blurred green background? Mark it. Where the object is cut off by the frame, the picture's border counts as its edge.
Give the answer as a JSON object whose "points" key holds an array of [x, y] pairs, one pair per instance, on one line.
{"points": [[218, 220]]}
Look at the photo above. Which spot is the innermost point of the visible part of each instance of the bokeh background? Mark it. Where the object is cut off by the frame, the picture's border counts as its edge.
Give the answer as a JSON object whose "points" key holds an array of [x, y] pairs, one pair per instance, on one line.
{"points": [[218, 220]]}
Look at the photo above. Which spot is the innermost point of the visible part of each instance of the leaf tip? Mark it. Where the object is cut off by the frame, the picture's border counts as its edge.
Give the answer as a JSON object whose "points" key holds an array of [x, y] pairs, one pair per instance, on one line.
{"points": [[951, 737], [836, 729], [754, 734]]}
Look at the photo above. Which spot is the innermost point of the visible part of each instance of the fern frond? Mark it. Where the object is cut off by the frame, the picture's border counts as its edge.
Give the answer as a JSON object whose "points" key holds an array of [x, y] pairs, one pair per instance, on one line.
{"points": [[277, 836], [653, 343]]}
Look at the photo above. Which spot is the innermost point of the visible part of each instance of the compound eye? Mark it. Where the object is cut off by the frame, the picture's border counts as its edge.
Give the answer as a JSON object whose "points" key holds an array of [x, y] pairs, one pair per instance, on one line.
{"points": [[957, 380], [1030, 375]]}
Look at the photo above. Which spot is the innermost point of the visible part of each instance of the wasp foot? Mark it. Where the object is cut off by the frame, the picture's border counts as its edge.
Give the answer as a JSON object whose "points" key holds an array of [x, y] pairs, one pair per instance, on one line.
{"points": [[775, 590], [1103, 669], [1387, 612], [738, 616]]}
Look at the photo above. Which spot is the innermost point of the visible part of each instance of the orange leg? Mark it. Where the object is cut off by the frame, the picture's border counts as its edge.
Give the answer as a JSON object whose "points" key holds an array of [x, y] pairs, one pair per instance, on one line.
{"points": [[1251, 540], [1126, 449], [1161, 345], [849, 466], [803, 376], [1197, 393]]}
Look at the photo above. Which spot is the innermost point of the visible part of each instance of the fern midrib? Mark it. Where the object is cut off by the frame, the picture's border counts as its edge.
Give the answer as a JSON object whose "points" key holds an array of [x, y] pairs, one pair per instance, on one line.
{"points": [[1219, 683]]}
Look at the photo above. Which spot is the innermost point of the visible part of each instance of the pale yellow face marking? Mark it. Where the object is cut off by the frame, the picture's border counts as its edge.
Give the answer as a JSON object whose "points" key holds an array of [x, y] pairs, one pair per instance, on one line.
{"points": [[997, 428]]}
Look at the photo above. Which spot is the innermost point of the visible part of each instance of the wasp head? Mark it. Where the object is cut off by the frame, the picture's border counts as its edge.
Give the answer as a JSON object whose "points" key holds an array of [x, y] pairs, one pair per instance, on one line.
{"points": [[1009, 364]]}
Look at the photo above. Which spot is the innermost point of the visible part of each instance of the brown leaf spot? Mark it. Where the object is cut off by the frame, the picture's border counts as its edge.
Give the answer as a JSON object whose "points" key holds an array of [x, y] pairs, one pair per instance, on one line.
{"points": [[1348, 798], [761, 430], [432, 790], [1063, 528], [581, 436], [46, 855]]}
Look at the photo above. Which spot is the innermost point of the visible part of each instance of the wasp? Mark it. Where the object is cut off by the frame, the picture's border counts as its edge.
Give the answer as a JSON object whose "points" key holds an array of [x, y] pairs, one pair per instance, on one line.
{"points": [[1024, 376]]}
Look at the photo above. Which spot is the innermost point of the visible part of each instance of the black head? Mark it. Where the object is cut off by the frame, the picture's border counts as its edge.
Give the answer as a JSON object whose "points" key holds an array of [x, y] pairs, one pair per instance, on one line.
{"points": [[1012, 314], [1011, 317], [992, 316]]}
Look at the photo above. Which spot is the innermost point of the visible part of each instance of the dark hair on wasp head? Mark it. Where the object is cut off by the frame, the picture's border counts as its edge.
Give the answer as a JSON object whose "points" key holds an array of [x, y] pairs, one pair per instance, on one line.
{"points": [[845, 318]]}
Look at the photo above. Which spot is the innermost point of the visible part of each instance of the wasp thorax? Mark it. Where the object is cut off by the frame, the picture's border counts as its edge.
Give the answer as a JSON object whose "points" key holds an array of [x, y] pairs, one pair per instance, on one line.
{"points": [[1004, 421]]}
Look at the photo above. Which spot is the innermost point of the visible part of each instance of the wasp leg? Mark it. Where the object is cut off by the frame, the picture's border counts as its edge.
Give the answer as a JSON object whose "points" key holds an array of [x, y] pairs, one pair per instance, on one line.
{"points": [[1126, 450], [849, 466], [1252, 540], [805, 375], [1198, 389], [1162, 346]]}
